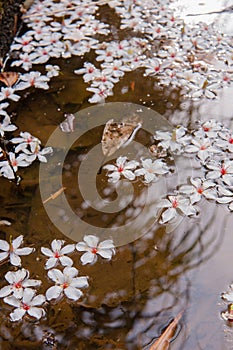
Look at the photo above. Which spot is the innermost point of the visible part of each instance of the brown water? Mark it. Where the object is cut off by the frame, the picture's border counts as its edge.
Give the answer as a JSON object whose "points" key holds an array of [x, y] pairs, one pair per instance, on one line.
{"points": [[134, 297]]}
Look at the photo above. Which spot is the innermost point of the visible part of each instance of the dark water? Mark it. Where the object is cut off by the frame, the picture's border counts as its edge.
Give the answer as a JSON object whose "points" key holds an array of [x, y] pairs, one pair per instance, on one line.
{"points": [[134, 297]]}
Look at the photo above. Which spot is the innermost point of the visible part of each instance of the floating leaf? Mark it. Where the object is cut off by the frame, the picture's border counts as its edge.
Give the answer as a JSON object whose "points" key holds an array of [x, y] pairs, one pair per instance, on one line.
{"points": [[9, 78], [119, 134]]}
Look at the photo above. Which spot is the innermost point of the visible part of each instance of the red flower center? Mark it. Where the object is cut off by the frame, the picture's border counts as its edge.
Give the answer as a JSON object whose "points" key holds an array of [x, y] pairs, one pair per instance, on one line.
{"points": [[175, 203], [94, 250], [120, 169], [200, 190], [25, 306], [223, 171], [56, 255], [231, 140], [18, 285], [65, 285]]}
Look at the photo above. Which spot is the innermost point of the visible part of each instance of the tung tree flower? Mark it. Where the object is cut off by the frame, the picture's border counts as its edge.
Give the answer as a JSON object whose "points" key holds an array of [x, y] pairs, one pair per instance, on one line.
{"points": [[28, 304], [175, 206], [18, 281], [152, 169], [13, 251], [92, 247], [198, 189], [66, 282], [123, 167], [57, 254]]}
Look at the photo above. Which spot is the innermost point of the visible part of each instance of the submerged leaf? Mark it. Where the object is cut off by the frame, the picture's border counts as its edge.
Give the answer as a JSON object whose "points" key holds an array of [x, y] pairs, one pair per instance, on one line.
{"points": [[163, 342]]}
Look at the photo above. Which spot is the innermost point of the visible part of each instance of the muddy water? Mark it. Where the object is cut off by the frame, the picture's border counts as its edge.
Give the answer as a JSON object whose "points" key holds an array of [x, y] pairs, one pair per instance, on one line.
{"points": [[134, 297]]}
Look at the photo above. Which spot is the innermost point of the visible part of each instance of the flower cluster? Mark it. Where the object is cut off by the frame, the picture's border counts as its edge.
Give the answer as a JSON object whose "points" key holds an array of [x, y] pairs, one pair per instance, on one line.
{"points": [[211, 144], [169, 50], [149, 170], [20, 291]]}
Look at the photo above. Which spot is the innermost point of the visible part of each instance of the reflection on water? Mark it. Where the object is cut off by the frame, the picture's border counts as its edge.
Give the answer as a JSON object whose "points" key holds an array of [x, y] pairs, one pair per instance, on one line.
{"points": [[132, 298]]}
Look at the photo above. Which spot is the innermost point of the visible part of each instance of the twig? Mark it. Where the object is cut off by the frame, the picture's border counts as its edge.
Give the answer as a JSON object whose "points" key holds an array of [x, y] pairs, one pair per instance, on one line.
{"points": [[54, 195]]}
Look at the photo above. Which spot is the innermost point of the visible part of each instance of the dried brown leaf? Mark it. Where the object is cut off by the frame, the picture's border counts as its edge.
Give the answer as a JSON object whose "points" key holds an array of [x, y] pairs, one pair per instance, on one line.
{"points": [[9, 78], [119, 134]]}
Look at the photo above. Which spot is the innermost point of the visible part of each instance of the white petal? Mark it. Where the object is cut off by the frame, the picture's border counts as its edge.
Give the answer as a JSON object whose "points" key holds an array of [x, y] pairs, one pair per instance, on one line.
{"points": [[53, 292], [73, 293], [57, 244], [38, 300], [46, 251], [17, 314], [12, 301], [107, 244], [168, 215], [15, 259], [56, 276], [70, 271], [5, 291], [4, 245], [69, 248], [36, 312], [81, 246], [28, 294], [3, 255], [80, 282], [66, 261], [50, 263], [128, 174], [91, 240], [17, 242], [31, 283], [24, 251], [88, 258], [105, 253]]}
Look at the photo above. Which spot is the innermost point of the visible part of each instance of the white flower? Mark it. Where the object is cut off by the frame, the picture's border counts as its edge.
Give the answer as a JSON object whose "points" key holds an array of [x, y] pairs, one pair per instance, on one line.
{"points": [[203, 148], [209, 129], [6, 125], [226, 196], [33, 78], [199, 187], [225, 141], [25, 140], [221, 170], [92, 247], [8, 93], [122, 168], [66, 282], [13, 251], [151, 169], [175, 206], [28, 305], [175, 140], [16, 162], [52, 70], [57, 254], [31, 156], [18, 280]]}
